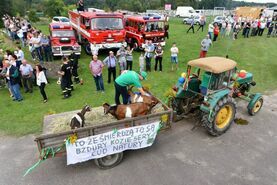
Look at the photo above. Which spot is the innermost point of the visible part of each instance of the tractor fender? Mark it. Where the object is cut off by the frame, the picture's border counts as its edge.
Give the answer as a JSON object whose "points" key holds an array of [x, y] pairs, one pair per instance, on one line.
{"points": [[253, 100], [213, 99]]}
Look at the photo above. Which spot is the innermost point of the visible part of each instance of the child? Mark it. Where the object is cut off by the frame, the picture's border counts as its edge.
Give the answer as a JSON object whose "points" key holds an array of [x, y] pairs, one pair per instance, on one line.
{"points": [[141, 62], [174, 56]]}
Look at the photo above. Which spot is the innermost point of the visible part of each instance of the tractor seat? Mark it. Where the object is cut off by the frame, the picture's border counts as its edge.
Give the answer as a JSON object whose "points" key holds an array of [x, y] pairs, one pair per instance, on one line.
{"points": [[193, 87]]}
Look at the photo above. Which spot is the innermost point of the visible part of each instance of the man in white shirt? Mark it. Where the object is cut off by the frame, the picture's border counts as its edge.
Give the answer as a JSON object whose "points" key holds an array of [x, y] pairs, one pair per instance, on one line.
{"points": [[211, 30], [20, 54], [94, 49], [26, 71], [35, 40], [262, 27]]}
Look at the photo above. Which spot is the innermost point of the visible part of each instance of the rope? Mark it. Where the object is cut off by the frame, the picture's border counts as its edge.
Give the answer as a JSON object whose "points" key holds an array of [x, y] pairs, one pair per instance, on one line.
{"points": [[45, 152]]}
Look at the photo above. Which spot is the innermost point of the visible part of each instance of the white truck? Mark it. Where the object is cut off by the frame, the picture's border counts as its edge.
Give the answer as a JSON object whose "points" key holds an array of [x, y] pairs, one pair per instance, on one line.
{"points": [[185, 11]]}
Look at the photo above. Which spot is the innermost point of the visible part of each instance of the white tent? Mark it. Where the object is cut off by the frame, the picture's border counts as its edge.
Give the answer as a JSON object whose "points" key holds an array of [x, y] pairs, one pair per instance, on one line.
{"points": [[271, 11]]}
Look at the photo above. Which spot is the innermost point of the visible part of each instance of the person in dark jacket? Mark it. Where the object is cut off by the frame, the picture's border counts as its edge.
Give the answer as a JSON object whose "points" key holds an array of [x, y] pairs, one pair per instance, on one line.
{"points": [[13, 80], [66, 82], [74, 65], [80, 6]]}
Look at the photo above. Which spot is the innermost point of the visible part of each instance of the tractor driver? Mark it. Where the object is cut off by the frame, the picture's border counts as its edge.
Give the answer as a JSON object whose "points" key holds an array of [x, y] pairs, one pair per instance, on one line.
{"points": [[128, 78]]}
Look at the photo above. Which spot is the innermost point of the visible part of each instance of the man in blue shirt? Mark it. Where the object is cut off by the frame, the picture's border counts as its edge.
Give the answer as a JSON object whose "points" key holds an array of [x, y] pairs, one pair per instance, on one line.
{"points": [[110, 61]]}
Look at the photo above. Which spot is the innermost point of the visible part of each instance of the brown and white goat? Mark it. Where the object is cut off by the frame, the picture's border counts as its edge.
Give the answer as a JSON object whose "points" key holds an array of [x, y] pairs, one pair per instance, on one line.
{"points": [[127, 111], [149, 100], [78, 120]]}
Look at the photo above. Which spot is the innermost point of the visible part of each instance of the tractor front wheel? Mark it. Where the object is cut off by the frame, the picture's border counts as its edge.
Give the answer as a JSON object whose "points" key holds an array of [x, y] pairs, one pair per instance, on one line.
{"points": [[222, 117], [109, 161], [257, 107]]}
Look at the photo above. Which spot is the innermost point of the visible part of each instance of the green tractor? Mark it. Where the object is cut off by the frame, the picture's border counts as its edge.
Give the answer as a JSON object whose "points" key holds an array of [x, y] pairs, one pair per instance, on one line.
{"points": [[211, 95]]}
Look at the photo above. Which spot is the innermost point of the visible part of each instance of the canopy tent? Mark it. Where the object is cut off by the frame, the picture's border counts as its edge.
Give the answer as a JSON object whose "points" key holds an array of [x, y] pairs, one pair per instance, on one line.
{"points": [[249, 12]]}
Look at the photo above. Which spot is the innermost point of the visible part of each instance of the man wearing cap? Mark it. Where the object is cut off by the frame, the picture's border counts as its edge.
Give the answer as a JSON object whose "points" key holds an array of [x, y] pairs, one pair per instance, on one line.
{"points": [[128, 78], [110, 61]]}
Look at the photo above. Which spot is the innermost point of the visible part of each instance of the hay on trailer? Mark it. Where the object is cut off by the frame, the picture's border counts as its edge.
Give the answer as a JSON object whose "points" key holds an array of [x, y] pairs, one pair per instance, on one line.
{"points": [[157, 108], [95, 117]]}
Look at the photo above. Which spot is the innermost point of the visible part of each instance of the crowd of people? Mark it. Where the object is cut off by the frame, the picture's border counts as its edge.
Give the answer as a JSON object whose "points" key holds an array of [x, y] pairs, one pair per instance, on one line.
{"points": [[231, 27], [123, 60], [39, 45], [17, 72]]}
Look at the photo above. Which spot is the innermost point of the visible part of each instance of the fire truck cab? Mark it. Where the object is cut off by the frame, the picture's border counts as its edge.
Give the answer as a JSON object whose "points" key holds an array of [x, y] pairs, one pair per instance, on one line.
{"points": [[141, 28], [63, 40], [106, 30]]}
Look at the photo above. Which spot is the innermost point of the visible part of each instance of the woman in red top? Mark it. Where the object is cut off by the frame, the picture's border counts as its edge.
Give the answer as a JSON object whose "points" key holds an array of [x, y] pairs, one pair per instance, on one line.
{"points": [[216, 32]]}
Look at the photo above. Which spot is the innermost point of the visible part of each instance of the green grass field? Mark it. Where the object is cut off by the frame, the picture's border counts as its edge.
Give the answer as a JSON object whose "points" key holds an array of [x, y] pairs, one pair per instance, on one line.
{"points": [[257, 55]]}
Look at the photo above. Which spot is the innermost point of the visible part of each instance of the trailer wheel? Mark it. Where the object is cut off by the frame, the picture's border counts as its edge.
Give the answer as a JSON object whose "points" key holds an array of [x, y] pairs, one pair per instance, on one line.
{"points": [[257, 107], [109, 161], [87, 48], [221, 118]]}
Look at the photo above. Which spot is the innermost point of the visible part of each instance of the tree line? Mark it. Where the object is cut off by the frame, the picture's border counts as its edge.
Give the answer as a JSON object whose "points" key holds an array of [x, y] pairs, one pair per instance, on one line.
{"points": [[51, 8]]}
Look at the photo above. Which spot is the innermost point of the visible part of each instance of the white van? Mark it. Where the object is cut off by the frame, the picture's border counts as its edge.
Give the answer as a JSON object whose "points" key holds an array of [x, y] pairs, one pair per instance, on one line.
{"points": [[185, 11]]}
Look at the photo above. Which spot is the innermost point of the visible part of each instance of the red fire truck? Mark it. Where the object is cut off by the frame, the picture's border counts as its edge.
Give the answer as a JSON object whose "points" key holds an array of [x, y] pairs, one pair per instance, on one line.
{"points": [[106, 30], [63, 40], [141, 28]]}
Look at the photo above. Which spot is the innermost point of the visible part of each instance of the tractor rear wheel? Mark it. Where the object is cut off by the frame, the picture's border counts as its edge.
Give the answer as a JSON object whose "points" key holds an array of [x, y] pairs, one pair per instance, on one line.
{"points": [[257, 107], [222, 117], [109, 161]]}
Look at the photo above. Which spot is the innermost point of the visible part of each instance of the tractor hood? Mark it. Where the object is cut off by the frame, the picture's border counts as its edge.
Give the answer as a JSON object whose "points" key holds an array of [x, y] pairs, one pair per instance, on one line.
{"points": [[248, 78]]}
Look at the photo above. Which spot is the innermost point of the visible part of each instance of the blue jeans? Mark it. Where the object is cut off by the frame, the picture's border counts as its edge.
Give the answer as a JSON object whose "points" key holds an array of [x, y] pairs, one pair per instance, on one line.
{"points": [[210, 34], [99, 83], [174, 59], [47, 53], [39, 55], [16, 92]]}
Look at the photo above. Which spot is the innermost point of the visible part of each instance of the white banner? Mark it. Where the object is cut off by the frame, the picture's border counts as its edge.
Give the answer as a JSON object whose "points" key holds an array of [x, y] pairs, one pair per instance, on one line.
{"points": [[112, 142]]}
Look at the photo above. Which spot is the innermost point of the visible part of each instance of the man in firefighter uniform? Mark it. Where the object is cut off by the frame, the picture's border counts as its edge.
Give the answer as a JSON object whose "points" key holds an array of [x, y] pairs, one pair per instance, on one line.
{"points": [[66, 81], [74, 65]]}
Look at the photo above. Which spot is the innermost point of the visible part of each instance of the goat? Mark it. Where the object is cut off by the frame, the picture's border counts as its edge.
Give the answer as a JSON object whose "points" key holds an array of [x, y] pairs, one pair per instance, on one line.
{"points": [[149, 100], [78, 120], [127, 111]]}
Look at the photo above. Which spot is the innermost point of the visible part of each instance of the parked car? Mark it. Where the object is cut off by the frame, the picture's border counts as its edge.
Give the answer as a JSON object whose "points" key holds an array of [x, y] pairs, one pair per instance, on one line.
{"points": [[59, 19], [189, 20], [219, 19]]}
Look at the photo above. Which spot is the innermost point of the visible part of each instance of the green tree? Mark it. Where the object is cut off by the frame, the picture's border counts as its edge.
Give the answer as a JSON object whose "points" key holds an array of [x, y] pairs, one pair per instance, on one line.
{"points": [[111, 4], [53, 8], [33, 16]]}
